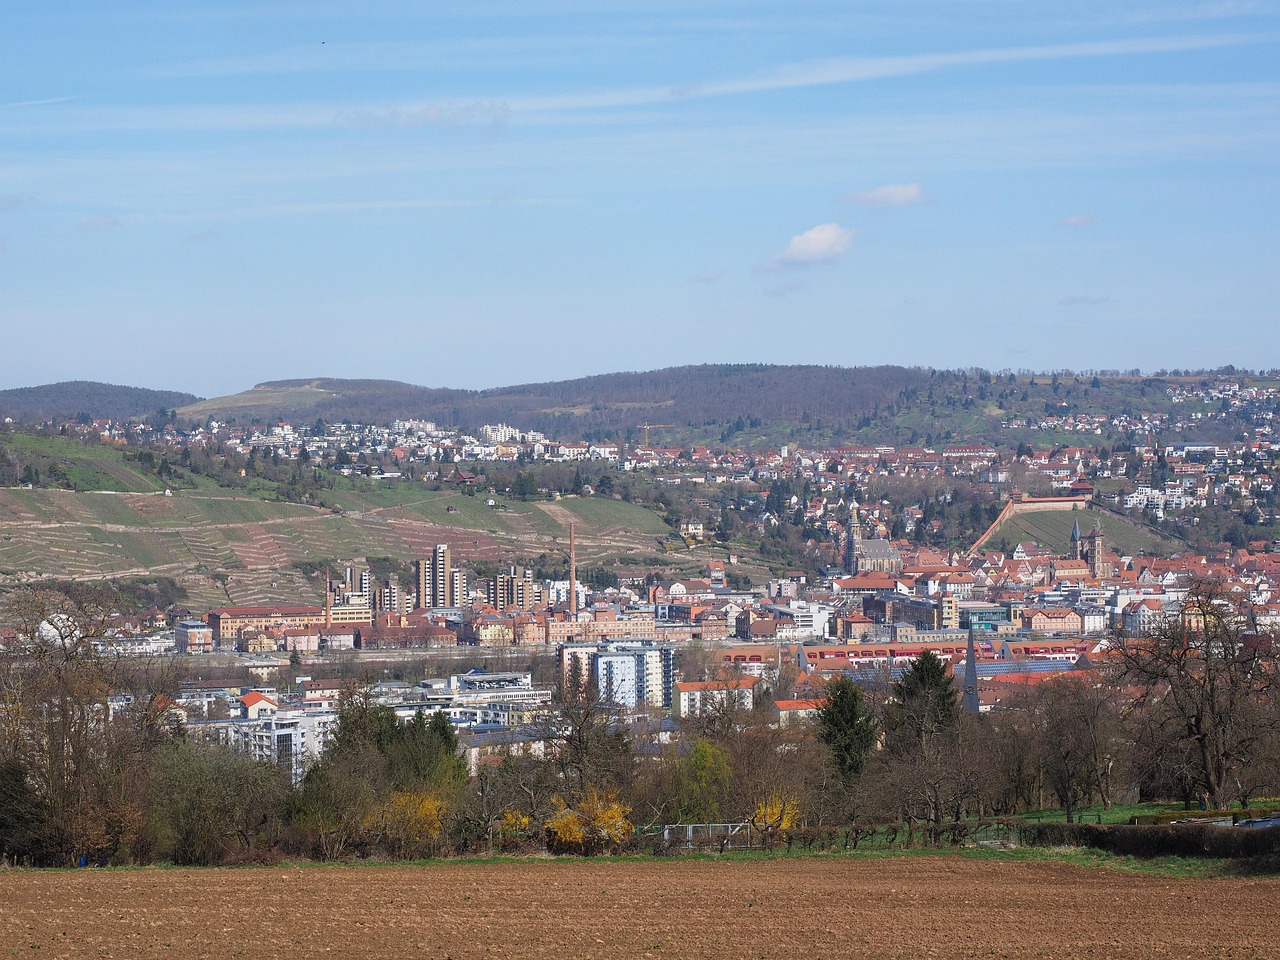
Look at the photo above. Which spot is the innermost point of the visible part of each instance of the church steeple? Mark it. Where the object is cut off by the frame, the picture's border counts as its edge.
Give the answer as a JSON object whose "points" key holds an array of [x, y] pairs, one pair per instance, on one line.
{"points": [[1095, 551], [1077, 545], [969, 700]]}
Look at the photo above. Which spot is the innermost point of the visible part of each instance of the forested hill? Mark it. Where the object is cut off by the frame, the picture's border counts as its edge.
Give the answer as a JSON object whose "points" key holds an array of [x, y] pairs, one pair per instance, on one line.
{"points": [[605, 405], [701, 396], [747, 405], [74, 398]]}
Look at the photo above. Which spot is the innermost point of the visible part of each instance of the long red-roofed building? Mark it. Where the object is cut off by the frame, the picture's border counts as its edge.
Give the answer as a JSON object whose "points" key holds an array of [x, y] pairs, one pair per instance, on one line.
{"points": [[229, 622]]}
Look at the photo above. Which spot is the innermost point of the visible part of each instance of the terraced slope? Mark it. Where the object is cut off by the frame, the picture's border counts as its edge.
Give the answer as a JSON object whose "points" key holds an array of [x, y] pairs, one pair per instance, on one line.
{"points": [[1052, 529], [226, 548]]}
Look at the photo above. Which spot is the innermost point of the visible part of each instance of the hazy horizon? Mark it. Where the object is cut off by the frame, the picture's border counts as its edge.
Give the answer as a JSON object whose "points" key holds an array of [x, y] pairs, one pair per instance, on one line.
{"points": [[208, 196]]}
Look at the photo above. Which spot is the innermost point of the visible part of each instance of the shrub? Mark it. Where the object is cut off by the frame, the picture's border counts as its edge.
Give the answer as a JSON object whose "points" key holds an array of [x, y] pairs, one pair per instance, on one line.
{"points": [[1155, 840], [599, 823], [408, 824], [1179, 816], [513, 830]]}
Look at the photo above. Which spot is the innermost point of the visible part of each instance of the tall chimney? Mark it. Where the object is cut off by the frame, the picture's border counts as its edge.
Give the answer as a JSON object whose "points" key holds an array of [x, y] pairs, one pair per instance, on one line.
{"points": [[573, 576]]}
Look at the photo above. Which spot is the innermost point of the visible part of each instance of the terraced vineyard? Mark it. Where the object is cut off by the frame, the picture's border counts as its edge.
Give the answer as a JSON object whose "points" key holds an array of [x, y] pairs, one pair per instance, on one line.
{"points": [[232, 548], [1052, 529]]}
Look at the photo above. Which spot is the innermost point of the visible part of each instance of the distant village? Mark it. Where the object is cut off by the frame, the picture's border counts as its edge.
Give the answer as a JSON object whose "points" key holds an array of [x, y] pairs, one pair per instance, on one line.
{"points": [[1145, 467], [880, 601], [1024, 615]]}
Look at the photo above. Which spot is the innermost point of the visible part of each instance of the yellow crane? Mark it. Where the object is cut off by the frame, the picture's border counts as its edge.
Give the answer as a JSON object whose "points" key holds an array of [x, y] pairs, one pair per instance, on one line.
{"points": [[647, 425]]}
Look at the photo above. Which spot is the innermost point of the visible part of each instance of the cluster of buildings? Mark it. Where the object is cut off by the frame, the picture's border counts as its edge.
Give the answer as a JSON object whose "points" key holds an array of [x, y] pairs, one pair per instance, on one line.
{"points": [[290, 727], [662, 650], [887, 592], [1142, 472]]}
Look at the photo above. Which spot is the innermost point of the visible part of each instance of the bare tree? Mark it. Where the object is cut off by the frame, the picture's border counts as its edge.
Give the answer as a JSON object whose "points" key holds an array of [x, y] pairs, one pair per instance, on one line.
{"points": [[1076, 727], [70, 724], [588, 743], [1208, 681]]}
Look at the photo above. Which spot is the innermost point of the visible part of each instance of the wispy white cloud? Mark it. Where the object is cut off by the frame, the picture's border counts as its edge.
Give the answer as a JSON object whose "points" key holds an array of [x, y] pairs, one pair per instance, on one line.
{"points": [[392, 55], [488, 110], [337, 55], [1078, 220], [889, 195], [99, 223], [451, 116], [825, 243], [17, 104], [354, 206], [839, 70], [709, 276], [786, 288]]}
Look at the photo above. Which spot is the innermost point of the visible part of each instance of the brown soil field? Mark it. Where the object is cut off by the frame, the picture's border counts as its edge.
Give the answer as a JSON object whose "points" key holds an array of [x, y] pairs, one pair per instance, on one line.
{"points": [[931, 906]]}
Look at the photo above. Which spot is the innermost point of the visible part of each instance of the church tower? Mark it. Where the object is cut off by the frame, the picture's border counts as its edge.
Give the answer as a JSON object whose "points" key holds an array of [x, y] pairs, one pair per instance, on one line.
{"points": [[1095, 552], [853, 537]]}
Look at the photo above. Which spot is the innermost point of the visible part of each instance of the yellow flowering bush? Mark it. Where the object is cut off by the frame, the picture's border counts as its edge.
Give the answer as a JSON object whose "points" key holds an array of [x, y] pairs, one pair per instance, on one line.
{"points": [[407, 824], [777, 811], [599, 823]]}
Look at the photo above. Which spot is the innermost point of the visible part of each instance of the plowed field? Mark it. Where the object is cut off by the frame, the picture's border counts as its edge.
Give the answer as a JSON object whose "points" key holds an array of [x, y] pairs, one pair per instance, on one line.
{"points": [[806, 907]]}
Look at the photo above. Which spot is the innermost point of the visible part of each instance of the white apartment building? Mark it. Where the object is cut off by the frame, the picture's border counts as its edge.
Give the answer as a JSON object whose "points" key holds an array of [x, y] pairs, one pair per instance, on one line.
{"points": [[291, 739]]}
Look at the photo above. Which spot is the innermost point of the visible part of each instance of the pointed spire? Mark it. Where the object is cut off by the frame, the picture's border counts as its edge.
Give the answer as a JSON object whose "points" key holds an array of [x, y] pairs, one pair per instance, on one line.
{"points": [[970, 701], [1075, 531]]}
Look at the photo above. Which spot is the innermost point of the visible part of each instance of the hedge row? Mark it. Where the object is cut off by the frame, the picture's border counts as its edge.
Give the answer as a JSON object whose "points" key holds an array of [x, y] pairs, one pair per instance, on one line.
{"points": [[1178, 840], [1183, 815]]}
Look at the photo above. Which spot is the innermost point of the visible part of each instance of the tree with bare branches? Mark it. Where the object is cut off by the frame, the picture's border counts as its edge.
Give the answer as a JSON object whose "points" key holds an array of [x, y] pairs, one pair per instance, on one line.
{"points": [[1076, 727], [70, 724], [1208, 690]]}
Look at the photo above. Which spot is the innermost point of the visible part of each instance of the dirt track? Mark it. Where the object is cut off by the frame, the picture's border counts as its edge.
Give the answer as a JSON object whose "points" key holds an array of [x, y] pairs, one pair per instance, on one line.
{"points": [[812, 908]]}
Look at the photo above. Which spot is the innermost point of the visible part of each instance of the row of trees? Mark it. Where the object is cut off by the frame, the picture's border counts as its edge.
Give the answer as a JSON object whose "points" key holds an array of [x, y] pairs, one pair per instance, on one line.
{"points": [[91, 766]]}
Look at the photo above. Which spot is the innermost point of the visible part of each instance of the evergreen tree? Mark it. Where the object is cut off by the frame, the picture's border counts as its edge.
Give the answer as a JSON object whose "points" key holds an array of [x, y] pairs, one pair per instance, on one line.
{"points": [[925, 702], [848, 727]]}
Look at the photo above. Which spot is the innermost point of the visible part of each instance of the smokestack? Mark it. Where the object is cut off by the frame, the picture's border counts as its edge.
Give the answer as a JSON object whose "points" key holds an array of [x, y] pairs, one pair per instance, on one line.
{"points": [[970, 700], [328, 601], [573, 575]]}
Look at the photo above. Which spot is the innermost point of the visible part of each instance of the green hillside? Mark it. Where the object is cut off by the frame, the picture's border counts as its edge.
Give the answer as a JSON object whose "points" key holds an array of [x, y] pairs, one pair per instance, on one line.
{"points": [[1052, 530], [223, 548], [746, 405], [749, 405], [73, 464], [699, 401], [265, 400]]}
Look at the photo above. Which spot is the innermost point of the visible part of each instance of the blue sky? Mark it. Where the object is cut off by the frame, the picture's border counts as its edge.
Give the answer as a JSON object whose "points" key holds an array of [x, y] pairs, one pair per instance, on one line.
{"points": [[205, 195]]}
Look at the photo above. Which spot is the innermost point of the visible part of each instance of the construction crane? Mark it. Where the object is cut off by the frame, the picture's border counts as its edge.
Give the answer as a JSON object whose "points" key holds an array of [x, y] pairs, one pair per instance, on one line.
{"points": [[647, 425]]}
